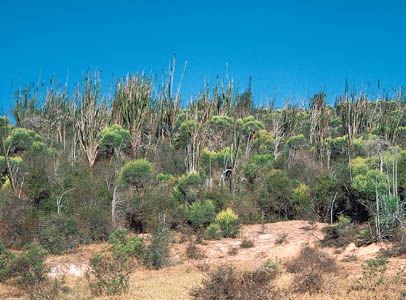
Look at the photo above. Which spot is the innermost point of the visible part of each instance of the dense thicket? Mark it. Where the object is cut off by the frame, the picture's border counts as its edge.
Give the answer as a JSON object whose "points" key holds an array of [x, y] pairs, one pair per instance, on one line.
{"points": [[76, 165]]}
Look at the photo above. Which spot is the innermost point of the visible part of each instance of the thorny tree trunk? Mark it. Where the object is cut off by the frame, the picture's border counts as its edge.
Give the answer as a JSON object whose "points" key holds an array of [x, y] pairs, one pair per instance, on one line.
{"points": [[277, 133], [92, 117], [114, 206], [130, 106], [10, 170]]}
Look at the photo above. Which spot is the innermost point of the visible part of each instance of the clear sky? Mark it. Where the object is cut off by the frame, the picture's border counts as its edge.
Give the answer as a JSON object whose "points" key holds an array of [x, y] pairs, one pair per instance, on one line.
{"points": [[292, 49]]}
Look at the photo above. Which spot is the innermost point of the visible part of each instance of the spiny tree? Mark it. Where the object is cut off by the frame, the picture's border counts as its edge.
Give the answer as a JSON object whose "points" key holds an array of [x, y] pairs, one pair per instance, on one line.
{"points": [[192, 129], [130, 106], [91, 117], [57, 115], [319, 123], [27, 108], [167, 106]]}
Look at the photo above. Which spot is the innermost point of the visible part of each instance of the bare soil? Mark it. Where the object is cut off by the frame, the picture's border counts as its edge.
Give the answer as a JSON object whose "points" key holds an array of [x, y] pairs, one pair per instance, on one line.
{"points": [[282, 240]]}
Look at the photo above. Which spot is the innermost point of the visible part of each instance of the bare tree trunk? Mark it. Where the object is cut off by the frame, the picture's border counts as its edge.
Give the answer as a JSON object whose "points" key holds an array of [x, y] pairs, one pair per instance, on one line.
{"points": [[10, 171], [332, 208], [377, 220], [59, 201], [114, 204]]}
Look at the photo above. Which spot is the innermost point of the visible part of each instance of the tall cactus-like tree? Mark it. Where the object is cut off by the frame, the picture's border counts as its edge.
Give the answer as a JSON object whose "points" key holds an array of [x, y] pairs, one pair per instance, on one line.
{"points": [[167, 106], [131, 105], [27, 108], [57, 115], [91, 118], [319, 117]]}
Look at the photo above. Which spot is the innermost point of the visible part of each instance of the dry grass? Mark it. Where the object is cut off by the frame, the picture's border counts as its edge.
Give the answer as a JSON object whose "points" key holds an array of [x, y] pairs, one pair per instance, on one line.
{"points": [[340, 289], [176, 282], [170, 283]]}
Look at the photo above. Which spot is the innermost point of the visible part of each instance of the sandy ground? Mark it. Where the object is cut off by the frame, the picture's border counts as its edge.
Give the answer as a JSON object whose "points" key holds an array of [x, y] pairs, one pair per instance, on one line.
{"points": [[282, 240], [296, 235]]}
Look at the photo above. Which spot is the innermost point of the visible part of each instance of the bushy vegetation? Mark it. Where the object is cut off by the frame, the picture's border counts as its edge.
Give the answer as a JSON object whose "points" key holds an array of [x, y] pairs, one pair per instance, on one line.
{"points": [[77, 167], [125, 246], [227, 220], [108, 275], [309, 268], [373, 274], [193, 251], [201, 213], [51, 289], [60, 235], [225, 282], [158, 251], [341, 234], [213, 232], [27, 268]]}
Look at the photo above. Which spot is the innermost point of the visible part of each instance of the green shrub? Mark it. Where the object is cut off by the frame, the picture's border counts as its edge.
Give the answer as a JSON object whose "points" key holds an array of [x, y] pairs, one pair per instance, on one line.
{"points": [[256, 165], [97, 223], [158, 251], [302, 201], [59, 235], [213, 232], [273, 265], [114, 138], [21, 139], [14, 162], [136, 173], [164, 177], [51, 239], [228, 222], [274, 193], [29, 268], [108, 275], [188, 187], [125, 246], [373, 274], [6, 257], [201, 213], [370, 181]]}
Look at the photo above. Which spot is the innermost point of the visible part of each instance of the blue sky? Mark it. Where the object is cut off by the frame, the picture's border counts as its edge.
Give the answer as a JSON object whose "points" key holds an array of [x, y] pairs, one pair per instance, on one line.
{"points": [[292, 49]]}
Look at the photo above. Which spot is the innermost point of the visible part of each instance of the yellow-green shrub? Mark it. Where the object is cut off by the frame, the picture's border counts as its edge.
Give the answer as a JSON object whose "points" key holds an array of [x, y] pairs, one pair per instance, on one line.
{"points": [[228, 222]]}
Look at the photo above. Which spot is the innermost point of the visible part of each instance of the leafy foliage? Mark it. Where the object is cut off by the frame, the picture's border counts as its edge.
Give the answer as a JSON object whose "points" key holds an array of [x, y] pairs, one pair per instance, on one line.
{"points": [[227, 220], [136, 173], [158, 251], [213, 232], [108, 275], [103, 161], [114, 139], [125, 246], [21, 139], [201, 213], [27, 268]]}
